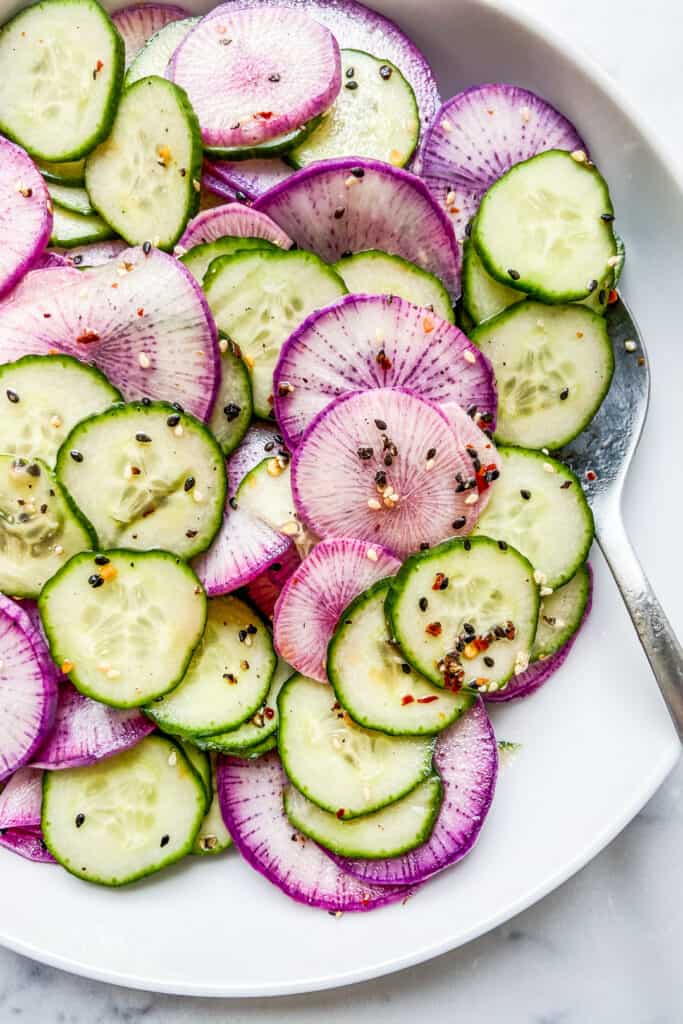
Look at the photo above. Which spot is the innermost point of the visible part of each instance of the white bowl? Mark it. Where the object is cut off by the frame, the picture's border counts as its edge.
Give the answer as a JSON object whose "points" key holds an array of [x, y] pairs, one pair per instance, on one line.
{"points": [[596, 742]]}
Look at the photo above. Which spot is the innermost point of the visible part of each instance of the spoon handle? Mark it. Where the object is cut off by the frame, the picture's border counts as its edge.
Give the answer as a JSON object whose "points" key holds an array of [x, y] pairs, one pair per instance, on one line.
{"points": [[654, 630]]}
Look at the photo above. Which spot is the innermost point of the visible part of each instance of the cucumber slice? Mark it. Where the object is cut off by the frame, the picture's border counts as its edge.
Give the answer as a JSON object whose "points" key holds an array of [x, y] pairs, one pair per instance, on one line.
{"points": [[71, 197], [144, 179], [542, 226], [374, 683], [537, 501], [63, 173], [270, 148], [126, 817], [228, 677], [266, 493], [199, 760], [40, 529], [199, 257], [232, 408], [258, 750], [154, 56], [62, 66], [213, 836], [465, 613], [560, 614], [261, 727], [340, 766], [125, 630], [553, 367], [374, 115], [70, 229], [378, 273], [258, 298], [387, 833], [50, 395], [146, 476]]}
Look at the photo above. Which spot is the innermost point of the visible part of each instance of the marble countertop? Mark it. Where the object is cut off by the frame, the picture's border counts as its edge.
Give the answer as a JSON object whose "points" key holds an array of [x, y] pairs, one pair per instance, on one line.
{"points": [[603, 948]]}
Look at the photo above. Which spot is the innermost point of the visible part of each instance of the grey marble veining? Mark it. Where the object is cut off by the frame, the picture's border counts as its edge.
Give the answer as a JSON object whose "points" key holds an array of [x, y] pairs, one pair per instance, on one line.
{"points": [[603, 948]]}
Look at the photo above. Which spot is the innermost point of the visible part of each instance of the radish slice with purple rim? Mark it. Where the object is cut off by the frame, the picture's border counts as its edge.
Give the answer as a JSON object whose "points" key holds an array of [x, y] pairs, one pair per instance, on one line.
{"points": [[389, 462], [86, 731], [215, 191], [141, 319], [93, 254], [315, 595], [28, 688], [479, 446], [50, 260], [351, 205], [252, 75], [249, 179], [267, 587], [373, 341], [250, 795], [138, 22], [28, 843], [232, 219], [25, 214], [480, 134], [21, 799], [466, 758]]}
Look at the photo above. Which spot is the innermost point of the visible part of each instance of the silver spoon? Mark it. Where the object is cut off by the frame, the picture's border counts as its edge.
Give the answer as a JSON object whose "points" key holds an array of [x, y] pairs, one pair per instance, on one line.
{"points": [[600, 457]]}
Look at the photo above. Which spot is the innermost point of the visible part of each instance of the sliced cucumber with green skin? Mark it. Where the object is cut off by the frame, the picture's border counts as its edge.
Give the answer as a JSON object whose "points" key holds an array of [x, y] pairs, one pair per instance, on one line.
{"points": [[266, 492], [259, 297], [374, 115], [71, 197], [271, 147], [233, 407], [377, 273], [146, 476], [144, 179], [375, 684], [560, 615], [538, 506], [40, 529], [258, 750], [70, 229], [394, 830], [338, 765], [199, 760], [125, 817], [62, 66], [553, 368], [228, 677], [261, 727], [199, 257], [213, 837], [547, 226], [154, 56], [123, 624], [63, 173], [50, 394], [465, 613]]}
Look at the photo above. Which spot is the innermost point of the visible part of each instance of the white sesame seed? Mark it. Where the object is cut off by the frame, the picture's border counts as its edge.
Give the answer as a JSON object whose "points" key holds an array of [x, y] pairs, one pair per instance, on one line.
{"points": [[469, 356], [379, 335], [274, 467], [143, 360], [128, 472], [59, 550], [540, 323], [546, 591], [103, 666], [612, 261], [545, 451], [394, 496], [113, 673], [492, 687], [450, 197], [374, 504], [526, 114], [539, 577], [248, 641], [472, 499], [223, 345], [371, 554], [351, 181], [446, 126], [155, 241], [630, 345], [173, 758], [290, 528], [521, 662], [336, 743], [560, 623], [178, 430], [200, 353], [429, 464], [55, 422], [548, 467], [179, 250], [196, 185], [197, 495], [579, 155]]}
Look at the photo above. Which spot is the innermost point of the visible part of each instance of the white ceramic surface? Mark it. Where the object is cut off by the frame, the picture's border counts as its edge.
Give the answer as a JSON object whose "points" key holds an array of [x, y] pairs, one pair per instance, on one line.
{"points": [[596, 742]]}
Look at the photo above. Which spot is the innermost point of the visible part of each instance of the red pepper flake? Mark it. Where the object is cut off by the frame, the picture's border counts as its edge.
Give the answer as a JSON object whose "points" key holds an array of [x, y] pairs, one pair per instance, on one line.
{"points": [[427, 700], [612, 297], [269, 713], [141, 311], [434, 629], [87, 337], [428, 324], [407, 699], [591, 475], [265, 114], [383, 360], [481, 643], [341, 812], [438, 581]]}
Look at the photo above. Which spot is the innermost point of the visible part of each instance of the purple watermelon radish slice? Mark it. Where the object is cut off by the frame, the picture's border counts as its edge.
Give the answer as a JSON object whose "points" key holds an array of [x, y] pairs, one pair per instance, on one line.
{"points": [[249, 179], [21, 799], [466, 758], [51, 260], [252, 75], [480, 134], [28, 687], [215, 191], [376, 341], [27, 843], [250, 793], [93, 254], [232, 219], [142, 319], [315, 595], [25, 214], [267, 587], [381, 466], [350, 205], [479, 445], [86, 731], [138, 22]]}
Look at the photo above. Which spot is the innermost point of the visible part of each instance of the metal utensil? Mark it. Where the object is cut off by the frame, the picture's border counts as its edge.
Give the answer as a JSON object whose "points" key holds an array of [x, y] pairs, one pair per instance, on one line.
{"points": [[600, 457]]}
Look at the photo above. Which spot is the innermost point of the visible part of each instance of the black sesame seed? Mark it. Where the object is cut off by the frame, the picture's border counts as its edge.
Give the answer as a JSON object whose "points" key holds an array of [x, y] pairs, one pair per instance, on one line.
{"points": [[386, 71], [499, 632], [101, 560], [12, 395], [514, 274], [77, 259], [233, 504], [423, 603], [364, 453], [486, 417], [80, 819], [468, 627], [95, 580], [431, 454], [444, 583], [146, 402], [380, 424], [251, 628], [274, 77], [232, 411], [502, 545], [350, 72], [607, 217], [472, 452], [276, 566], [173, 421], [33, 469], [489, 662], [388, 460], [351, 85], [190, 534], [458, 477], [592, 285], [43, 509], [339, 212], [23, 517], [564, 393], [358, 172], [345, 255], [405, 668], [381, 478], [476, 465], [468, 229], [165, 840], [424, 546], [467, 545], [525, 494], [460, 488], [241, 197], [491, 475], [459, 522], [147, 248], [143, 438], [177, 406], [189, 483], [472, 410], [76, 456], [242, 635], [602, 295], [566, 484]]}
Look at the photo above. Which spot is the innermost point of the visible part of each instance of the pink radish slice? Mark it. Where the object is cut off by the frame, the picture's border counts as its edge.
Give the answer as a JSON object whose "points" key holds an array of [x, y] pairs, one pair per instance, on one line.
{"points": [[217, 189], [466, 758], [350, 205], [21, 799], [25, 214], [86, 731], [313, 598], [51, 260], [334, 471], [27, 843], [539, 672], [28, 687], [142, 319], [473, 439], [250, 794], [138, 22], [375, 341], [480, 134], [267, 587], [92, 255], [249, 178], [232, 219], [252, 75]]}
